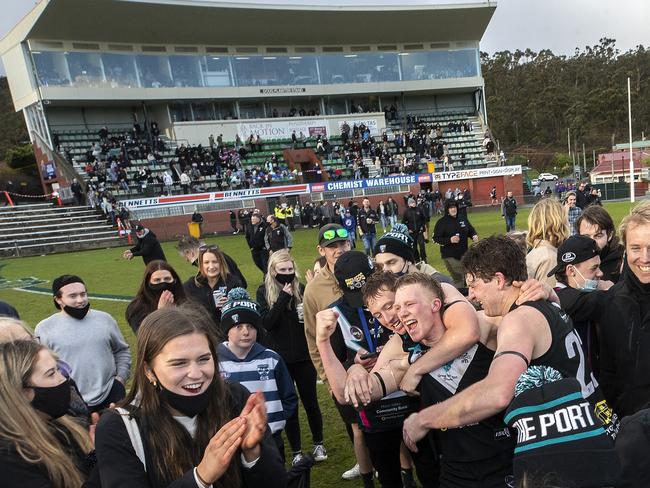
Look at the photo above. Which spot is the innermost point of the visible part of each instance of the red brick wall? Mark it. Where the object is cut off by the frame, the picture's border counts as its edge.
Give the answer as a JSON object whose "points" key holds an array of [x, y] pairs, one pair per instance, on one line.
{"points": [[168, 228]]}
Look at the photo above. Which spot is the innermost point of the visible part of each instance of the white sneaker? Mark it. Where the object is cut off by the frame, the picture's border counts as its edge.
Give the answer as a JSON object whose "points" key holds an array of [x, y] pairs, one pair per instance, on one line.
{"points": [[319, 453], [297, 458], [351, 473]]}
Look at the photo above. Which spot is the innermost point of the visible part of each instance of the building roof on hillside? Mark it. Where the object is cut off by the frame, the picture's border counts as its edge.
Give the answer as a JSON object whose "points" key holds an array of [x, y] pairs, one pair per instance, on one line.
{"points": [[621, 165], [255, 22]]}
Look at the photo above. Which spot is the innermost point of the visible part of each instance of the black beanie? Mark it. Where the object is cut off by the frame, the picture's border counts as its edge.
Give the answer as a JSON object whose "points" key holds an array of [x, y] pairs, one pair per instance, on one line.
{"points": [[398, 242], [239, 309], [62, 281], [559, 439]]}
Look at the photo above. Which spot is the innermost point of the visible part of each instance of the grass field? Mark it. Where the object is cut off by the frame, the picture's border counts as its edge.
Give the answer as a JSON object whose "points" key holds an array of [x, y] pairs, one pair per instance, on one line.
{"points": [[105, 272]]}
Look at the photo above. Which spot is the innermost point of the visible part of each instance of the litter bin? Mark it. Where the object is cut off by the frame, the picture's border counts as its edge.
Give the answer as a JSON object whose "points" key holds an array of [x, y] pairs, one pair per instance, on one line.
{"points": [[194, 229]]}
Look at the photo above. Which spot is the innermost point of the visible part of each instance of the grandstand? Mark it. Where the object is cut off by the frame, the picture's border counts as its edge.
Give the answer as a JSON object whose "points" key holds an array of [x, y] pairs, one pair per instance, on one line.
{"points": [[410, 72]]}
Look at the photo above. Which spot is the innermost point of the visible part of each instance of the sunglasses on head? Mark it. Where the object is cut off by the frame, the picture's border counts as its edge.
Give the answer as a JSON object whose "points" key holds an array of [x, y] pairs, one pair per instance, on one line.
{"points": [[332, 233], [206, 247]]}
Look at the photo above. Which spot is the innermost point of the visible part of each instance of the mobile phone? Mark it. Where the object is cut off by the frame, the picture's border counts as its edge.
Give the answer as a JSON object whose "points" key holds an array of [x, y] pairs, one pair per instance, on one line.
{"points": [[369, 355]]}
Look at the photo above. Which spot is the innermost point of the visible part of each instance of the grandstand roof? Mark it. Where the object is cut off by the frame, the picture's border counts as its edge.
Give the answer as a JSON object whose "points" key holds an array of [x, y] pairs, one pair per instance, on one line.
{"points": [[255, 22]]}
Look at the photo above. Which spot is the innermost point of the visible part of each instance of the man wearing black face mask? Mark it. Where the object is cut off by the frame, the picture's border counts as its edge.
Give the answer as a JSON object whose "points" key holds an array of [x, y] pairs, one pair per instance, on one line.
{"points": [[90, 341], [394, 253]]}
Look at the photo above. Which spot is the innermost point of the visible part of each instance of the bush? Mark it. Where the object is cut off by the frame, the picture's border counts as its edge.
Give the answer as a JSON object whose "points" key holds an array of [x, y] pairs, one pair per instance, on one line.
{"points": [[20, 157]]}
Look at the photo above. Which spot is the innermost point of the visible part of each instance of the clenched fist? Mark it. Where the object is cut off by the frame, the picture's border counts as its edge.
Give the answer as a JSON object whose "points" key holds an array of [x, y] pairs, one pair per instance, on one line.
{"points": [[325, 324]]}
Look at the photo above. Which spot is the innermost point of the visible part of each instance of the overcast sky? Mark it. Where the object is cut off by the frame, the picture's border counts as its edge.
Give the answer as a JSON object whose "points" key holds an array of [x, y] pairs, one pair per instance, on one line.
{"points": [[559, 25]]}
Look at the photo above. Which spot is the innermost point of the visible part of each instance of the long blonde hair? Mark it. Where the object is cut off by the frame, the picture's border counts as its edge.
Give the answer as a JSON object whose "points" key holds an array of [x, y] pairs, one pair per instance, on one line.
{"points": [[23, 427], [273, 286], [547, 222]]}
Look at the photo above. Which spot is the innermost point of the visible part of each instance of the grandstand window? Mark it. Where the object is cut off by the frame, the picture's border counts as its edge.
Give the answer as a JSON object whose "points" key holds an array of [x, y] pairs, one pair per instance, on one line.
{"points": [[185, 71], [275, 70], [433, 65], [120, 70], [358, 68], [154, 71], [216, 71], [85, 69], [52, 68]]}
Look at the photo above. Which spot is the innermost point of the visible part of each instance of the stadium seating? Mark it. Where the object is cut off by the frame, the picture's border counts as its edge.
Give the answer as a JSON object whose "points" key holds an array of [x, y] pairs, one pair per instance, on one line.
{"points": [[43, 228], [75, 144]]}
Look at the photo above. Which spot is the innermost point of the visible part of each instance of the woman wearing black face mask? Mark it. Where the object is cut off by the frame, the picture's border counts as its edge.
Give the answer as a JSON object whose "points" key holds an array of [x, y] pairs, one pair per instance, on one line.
{"points": [[187, 427], [280, 300], [40, 446], [160, 287]]}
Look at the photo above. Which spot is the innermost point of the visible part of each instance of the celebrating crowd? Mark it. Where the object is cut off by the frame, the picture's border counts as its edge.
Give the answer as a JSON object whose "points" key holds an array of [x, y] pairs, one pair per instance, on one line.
{"points": [[526, 364]]}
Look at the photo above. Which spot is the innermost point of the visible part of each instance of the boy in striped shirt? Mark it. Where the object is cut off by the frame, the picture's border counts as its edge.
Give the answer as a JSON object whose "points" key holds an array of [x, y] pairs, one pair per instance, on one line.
{"points": [[243, 360]]}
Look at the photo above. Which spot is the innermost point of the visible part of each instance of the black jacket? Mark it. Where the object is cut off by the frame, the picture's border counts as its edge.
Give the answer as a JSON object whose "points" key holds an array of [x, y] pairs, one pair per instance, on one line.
{"points": [[623, 314], [255, 236], [203, 294], [509, 207], [18, 473], [285, 334], [362, 221], [149, 248], [447, 227], [119, 466], [415, 220], [625, 345]]}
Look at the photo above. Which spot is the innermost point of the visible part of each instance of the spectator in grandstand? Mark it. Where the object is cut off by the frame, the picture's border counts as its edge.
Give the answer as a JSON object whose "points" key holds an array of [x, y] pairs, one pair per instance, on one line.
{"points": [[89, 341], [41, 445], [245, 361], [282, 311], [547, 229], [452, 233], [509, 211], [184, 425], [185, 182], [277, 235], [190, 247], [256, 239], [596, 223], [161, 287], [212, 283], [367, 219], [147, 246]]}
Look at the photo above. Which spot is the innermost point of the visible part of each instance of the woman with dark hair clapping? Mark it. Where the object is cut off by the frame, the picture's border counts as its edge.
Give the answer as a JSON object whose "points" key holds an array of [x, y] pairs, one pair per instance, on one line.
{"points": [[181, 425], [161, 287]]}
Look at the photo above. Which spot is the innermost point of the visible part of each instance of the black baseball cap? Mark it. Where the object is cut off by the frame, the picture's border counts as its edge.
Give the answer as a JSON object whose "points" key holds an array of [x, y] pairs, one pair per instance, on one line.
{"points": [[575, 250], [331, 233], [351, 271]]}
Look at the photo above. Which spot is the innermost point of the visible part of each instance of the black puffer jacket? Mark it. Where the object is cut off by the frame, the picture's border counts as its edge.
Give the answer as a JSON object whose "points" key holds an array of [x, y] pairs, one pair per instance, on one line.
{"points": [[285, 334], [447, 227], [625, 345]]}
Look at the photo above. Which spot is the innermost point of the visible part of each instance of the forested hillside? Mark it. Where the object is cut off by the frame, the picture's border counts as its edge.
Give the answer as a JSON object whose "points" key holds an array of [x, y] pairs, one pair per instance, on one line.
{"points": [[12, 124], [534, 97]]}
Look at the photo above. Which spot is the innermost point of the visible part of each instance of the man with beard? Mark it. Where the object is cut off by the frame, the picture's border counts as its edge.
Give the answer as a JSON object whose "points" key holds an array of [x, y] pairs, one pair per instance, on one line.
{"points": [[89, 341], [596, 223]]}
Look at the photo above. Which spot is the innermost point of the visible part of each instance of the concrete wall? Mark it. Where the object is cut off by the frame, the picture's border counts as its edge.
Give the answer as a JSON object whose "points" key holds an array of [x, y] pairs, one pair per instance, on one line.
{"points": [[274, 128]]}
